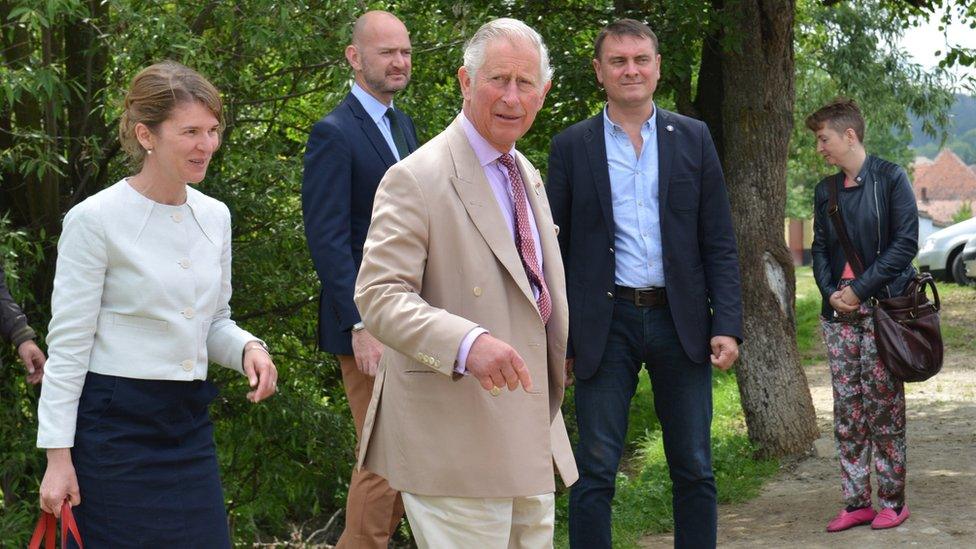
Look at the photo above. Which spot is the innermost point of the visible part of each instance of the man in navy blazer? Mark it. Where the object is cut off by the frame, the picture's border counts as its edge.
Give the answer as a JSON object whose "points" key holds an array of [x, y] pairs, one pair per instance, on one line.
{"points": [[347, 154], [652, 278]]}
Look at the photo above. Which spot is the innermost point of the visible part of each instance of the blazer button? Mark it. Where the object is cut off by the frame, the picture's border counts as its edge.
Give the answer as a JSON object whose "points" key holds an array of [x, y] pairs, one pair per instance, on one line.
{"points": [[610, 295], [187, 365], [477, 291], [187, 313], [611, 251]]}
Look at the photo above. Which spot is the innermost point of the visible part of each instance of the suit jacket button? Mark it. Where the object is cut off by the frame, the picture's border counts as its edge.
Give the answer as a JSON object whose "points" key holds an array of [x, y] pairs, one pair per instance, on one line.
{"points": [[611, 250], [477, 291], [610, 295]]}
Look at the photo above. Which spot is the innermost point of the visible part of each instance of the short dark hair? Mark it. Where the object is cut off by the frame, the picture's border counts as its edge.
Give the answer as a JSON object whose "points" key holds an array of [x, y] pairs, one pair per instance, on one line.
{"points": [[624, 27], [839, 114]]}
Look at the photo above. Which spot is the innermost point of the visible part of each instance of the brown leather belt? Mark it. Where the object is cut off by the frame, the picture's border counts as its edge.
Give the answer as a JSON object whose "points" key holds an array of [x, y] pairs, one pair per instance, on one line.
{"points": [[643, 297]]}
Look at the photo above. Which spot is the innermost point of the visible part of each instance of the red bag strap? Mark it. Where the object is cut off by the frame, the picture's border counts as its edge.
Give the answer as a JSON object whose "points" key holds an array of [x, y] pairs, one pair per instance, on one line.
{"points": [[47, 526], [68, 524], [44, 531]]}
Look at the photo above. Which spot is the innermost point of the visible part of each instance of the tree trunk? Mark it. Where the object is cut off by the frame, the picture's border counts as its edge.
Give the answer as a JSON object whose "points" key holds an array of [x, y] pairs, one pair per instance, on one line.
{"points": [[750, 112]]}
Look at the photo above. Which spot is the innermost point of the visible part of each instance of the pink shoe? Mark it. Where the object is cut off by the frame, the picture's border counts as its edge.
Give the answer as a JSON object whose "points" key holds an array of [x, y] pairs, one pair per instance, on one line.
{"points": [[845, 519], [887, 518]]}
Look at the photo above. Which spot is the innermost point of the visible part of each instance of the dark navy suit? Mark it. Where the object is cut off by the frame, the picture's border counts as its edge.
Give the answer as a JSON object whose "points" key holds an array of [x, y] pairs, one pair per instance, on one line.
{"points": [[345, 159], [612, 338]]}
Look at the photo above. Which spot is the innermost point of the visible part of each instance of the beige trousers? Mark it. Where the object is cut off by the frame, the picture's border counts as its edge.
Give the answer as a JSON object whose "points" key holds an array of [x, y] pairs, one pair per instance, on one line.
{"points": [[373, 509], [441, 522]]}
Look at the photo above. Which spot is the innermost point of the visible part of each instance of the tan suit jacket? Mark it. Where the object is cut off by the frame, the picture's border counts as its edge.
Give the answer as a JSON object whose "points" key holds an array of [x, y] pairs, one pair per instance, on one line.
{"points": [[439, 260]]}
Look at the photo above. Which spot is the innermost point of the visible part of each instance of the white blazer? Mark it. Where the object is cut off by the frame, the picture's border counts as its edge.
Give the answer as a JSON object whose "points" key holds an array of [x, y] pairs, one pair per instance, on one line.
{"points": [[142, 291]]}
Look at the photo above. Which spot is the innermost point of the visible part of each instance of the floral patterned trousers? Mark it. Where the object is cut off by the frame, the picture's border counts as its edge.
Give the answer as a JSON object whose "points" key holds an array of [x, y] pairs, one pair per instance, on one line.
{"points": [[869, 412]]}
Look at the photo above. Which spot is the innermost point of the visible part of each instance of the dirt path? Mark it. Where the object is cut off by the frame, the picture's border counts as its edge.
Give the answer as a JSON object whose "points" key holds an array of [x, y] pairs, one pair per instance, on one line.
{"points": [[794, 508]]}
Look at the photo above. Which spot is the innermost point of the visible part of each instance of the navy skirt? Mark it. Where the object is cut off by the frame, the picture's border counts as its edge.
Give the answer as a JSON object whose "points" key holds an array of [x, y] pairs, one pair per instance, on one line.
{"points": [[146, 465]]}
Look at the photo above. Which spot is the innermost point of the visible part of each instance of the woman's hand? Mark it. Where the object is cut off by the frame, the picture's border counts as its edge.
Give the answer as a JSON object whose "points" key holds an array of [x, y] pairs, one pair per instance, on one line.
{"points": [[848, 296], [260, 371], [838, 303], [59, 481]]}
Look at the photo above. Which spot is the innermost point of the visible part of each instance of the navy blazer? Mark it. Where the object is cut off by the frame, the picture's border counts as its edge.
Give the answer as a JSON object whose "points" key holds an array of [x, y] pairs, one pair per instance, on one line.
{"points": [[701, 266], [345, 158]]}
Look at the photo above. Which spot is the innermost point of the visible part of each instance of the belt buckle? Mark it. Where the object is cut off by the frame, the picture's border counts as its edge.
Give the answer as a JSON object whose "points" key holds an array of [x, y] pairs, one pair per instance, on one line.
{"points": [[643, 296]]}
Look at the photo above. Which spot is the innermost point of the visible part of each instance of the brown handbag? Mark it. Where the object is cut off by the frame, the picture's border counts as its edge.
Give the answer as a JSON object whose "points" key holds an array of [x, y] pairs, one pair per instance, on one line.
{"points": [[906, 327]]}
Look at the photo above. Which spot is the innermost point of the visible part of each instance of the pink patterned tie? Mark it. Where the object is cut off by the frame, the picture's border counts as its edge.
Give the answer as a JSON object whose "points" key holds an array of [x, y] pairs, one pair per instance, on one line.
{"points": [[523, 238]]}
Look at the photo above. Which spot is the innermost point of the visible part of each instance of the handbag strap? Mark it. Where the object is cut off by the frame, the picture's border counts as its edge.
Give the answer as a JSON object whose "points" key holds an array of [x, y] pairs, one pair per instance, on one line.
{"points": [[68, 524], [917, 288], [47, 526], [833, 210], [44, 531]]}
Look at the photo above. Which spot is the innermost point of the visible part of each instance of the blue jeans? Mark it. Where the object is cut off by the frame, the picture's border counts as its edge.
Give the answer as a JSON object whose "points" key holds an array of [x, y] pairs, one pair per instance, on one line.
{"points": [[683, 403]]}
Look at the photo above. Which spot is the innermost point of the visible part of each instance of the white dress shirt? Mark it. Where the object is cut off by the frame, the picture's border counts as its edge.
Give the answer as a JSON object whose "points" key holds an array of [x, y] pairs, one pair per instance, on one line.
{"points": [[142, 291]]}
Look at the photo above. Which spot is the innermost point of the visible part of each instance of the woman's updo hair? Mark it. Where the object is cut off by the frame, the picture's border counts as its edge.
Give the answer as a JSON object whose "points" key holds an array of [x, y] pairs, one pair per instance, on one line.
{"points": [[838, 115], [153, 95]]}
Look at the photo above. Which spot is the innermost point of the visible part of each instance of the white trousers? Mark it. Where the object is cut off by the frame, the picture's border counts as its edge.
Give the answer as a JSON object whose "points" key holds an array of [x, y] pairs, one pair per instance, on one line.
{"points": [[440, 522]]}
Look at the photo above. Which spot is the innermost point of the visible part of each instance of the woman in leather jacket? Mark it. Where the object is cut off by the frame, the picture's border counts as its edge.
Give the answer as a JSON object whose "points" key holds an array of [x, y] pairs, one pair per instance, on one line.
{"points": [[876, 202]]}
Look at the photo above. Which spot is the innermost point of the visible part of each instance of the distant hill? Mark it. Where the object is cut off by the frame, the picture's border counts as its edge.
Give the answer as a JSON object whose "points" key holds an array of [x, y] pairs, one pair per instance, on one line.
{"points": [[962, 132]]}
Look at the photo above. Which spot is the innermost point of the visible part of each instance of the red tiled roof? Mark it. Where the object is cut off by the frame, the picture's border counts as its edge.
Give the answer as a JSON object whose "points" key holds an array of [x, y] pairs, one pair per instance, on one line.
{"points": [[941, 211], [945, 178]]}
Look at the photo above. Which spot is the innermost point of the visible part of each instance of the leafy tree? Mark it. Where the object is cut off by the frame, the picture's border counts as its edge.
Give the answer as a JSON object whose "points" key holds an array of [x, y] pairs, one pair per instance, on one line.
{"points": [[851, 49]]}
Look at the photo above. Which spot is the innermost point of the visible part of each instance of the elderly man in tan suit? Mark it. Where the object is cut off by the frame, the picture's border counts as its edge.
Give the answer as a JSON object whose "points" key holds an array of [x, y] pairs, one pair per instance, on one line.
{"points": [[463, 281]]}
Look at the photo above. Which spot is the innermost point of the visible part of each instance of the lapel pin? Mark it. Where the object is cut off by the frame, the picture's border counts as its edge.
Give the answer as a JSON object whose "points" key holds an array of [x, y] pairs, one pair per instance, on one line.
{"points": [[669, 127]]}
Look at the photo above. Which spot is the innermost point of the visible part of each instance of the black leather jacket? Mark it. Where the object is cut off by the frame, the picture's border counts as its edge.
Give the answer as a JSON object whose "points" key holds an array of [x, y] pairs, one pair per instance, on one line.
{"points": [[882, 223]]}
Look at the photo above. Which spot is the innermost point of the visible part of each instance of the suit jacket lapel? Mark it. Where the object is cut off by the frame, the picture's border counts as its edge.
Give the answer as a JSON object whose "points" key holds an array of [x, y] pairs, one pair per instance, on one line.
{"points": [[475, 192], [371, 131], [665, 154], [596, 152]]}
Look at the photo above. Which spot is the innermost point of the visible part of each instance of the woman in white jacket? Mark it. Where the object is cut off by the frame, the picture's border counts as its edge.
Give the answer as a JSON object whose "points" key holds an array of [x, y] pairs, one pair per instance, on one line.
{"points": [[140, 306]]}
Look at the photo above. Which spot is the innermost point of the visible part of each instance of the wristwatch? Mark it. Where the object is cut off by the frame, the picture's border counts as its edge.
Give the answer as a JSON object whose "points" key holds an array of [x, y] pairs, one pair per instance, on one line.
{"points": [[358, 327]]}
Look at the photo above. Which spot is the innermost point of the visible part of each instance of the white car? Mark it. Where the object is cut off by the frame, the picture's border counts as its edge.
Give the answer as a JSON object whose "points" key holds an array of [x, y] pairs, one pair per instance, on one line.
{"points": [[969, 258], [941, 254]]}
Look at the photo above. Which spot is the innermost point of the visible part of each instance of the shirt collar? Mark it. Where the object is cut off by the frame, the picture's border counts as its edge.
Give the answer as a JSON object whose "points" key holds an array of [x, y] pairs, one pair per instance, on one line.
{"points": [[485, 152], [613, 126], [373, 107]]}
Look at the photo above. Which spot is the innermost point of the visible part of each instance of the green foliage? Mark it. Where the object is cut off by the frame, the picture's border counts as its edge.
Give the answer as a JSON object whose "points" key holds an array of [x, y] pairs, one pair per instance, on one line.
{"points": [[19, 460], [850, 49], [964, 212]]}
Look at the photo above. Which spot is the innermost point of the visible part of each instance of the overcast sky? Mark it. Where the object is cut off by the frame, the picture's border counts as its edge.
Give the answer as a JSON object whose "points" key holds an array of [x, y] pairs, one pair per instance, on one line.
{"points": [[923, 41]]}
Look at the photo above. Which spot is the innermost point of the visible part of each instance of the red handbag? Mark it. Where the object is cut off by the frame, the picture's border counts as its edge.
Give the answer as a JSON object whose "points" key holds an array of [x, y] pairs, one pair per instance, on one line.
{"points": [[47, 526]]}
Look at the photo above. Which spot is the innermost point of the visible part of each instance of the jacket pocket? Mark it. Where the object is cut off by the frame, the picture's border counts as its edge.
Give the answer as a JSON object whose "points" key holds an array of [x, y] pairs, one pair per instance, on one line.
{"points": [[140, 322]]}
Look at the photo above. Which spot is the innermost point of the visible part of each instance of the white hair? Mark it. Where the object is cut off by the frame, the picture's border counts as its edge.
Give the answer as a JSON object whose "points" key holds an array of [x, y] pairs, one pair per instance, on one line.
{"points": [[509, 29]]}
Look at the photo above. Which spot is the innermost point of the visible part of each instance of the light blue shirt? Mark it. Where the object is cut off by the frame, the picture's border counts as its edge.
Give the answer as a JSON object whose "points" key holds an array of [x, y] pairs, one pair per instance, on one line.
{"points": [[634, 192], [377, 111]]}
